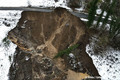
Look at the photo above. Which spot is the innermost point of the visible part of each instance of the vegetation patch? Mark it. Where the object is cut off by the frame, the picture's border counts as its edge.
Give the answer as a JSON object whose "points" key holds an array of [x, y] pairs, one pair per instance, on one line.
{"points": [[66, 51], [111, 19]]}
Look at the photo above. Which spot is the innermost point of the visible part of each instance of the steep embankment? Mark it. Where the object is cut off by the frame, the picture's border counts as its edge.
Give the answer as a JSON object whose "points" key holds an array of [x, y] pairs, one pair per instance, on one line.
{"points": [[39, 37]]}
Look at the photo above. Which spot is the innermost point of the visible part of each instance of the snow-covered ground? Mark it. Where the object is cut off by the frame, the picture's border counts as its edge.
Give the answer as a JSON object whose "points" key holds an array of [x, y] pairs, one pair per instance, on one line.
{"points": [[8, 20], [43, 3], [107, 65], [107, 62]]}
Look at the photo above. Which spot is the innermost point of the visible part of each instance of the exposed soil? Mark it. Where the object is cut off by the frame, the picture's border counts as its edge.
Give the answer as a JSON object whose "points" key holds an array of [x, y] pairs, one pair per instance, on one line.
{"points": [[39, 37]]}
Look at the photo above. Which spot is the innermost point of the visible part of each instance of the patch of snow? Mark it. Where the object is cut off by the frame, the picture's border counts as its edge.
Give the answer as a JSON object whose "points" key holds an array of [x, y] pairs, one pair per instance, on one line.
{"points": [[48, 3], [5, 61], [26, 58], [98, 11], [107, 64], [84, 19], [23, 26], [7, 53], [13, 3], [35, 3], [71, 55], [105, 13]]}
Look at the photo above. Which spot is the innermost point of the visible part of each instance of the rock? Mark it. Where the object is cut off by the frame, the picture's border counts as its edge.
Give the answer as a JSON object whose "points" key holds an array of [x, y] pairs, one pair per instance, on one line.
{"points": [[56, 0], [43, 36], [74, 4], [21, 69], [78, 4]]}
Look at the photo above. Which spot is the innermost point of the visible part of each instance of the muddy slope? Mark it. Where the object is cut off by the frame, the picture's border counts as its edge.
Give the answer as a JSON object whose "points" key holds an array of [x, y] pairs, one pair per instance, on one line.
{"points": [[39, 37]]}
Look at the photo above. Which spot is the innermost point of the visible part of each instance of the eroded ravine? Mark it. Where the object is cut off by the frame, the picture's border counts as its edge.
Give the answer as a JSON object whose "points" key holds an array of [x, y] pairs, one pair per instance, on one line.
{"points": [[39, 37]]}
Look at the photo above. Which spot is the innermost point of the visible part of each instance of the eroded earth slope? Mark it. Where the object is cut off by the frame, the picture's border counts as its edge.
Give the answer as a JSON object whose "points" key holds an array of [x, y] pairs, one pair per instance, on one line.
{"points": [[39, 37]]}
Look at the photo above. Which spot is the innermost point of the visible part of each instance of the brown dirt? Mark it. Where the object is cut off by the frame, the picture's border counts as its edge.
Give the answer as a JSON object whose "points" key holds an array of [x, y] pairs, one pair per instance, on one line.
{"points": [[43, 35]]}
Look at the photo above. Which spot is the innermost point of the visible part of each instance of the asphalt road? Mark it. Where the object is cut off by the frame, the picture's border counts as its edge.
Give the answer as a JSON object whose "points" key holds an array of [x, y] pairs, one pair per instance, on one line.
{"points": [[81, 15], [78, 14]]}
